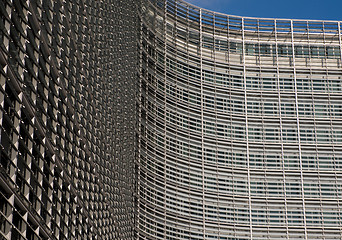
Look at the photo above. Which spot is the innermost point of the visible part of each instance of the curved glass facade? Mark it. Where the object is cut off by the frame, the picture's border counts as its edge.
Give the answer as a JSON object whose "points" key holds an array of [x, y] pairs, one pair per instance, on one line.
{"points": [[156, 119], [240, 126]]}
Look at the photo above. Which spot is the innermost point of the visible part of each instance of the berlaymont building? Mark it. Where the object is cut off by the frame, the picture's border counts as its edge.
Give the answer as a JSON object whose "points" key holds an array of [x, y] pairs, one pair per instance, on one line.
{"points": [[156, 119]]}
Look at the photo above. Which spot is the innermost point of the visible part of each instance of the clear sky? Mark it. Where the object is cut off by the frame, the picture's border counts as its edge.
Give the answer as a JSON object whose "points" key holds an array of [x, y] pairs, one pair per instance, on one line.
{"points": [[297, 9]]}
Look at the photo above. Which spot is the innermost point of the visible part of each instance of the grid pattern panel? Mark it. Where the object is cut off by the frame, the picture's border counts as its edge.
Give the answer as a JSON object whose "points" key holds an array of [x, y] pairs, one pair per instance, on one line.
{"points": [[240, 126], [61, 122]]}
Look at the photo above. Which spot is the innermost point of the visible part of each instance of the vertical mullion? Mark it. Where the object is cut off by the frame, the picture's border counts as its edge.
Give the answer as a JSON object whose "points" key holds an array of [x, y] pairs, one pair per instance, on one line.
{"points": [[165, 69], [298, 131], [246, 125], [138, 187], [281, 128], [202, 121], [339, 39]]}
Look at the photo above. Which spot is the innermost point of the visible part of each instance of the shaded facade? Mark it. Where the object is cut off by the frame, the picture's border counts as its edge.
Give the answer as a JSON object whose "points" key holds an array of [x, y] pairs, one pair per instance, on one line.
{"points": [[67, 119], [240, 126]]}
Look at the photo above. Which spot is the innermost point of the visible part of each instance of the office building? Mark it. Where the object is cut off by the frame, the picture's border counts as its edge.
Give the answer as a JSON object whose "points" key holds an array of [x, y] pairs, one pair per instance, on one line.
{"points": [[240, 126], [156, 119], [67, 119]]}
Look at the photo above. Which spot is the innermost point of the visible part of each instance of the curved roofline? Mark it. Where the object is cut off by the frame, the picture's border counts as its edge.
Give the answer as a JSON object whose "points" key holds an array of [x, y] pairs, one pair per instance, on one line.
{"points": [[256, 18]]}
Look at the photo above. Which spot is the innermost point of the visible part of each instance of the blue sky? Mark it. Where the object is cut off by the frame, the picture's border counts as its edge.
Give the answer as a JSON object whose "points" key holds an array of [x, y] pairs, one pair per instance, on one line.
{"points": [[298, 9]]}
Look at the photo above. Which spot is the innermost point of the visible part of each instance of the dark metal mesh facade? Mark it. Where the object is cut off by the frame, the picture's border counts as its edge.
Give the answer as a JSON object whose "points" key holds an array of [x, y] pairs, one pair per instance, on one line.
{"points": [[67, 119]]}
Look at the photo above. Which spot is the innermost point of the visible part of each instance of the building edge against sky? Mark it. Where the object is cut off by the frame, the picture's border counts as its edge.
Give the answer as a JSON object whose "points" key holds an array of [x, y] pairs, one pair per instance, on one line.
{"points": [[214, 127]]}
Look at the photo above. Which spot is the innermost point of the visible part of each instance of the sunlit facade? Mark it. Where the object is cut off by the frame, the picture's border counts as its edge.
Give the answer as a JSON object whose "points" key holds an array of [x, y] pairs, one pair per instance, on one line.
{"points": [[240, 126]]}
